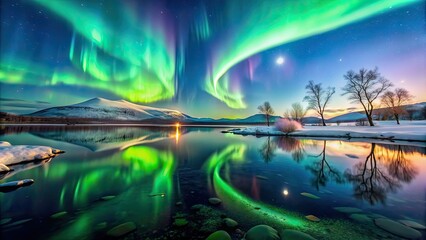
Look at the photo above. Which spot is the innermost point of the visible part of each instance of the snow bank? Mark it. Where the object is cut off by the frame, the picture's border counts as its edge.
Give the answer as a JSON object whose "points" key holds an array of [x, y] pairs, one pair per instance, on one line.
{"points": [[415, 131], [10, 155]]}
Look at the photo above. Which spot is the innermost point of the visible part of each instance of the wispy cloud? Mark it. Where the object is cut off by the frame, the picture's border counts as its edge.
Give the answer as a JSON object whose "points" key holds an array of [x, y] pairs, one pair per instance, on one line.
{"points": [[340, 110]]}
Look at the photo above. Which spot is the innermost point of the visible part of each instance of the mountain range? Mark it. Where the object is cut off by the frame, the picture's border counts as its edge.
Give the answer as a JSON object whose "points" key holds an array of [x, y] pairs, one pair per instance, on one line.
{"points": [[101, 110]]}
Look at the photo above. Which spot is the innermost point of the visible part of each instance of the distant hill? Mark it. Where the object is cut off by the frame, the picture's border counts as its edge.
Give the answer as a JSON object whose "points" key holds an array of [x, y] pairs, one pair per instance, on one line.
{"points": [[100, 108], [256, 118], [348, 117], [311, 120]]}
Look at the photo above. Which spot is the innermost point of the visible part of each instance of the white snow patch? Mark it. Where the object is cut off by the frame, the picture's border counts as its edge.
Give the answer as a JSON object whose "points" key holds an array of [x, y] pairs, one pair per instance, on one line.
{"points": [[24, 153], [407, 131]]}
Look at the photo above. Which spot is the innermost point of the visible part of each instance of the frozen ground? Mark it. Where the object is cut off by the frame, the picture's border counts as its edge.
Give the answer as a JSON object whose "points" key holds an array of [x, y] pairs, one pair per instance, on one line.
{"points": [[388, 130]]}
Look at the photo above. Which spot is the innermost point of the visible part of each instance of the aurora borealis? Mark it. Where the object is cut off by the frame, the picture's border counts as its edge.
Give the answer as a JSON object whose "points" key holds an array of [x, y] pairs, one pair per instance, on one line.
{"points": [[219, 53]]}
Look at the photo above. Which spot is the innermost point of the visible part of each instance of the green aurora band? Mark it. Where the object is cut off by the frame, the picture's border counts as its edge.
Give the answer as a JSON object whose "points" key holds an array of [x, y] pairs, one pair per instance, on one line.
{"points": [[132, 174], [133, 59], [136, 55], [279, 218], [224, 190], [275, 22]]}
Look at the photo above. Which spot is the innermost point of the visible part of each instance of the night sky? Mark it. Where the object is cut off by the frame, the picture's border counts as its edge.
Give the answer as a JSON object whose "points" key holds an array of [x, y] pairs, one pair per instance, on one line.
{"points": [[214, 58]]}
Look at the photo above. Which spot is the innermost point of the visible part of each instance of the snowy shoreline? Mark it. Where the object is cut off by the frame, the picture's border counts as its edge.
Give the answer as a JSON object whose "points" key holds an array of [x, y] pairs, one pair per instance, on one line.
{"points": [[413, 132]]}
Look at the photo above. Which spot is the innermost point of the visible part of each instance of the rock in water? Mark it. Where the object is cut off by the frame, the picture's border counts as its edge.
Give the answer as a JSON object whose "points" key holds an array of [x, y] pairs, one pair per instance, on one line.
{"points": [[312, 218], [215, 201], [122, 229], [413, 224], [348, 209], [4, 168], [106, 198], [11, 186], [230, 223], [262, 232], [289, 234], [219, 235], [58, 215], [57, 151], [196, 207], [180, 222], [101, 225], [20, 222], [361, 218], [261, 177], [5, 220], [397, 228], [309, 195]]}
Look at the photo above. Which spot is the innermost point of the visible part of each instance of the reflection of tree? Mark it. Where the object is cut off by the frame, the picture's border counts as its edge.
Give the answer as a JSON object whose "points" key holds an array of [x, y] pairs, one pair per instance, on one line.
{"points": [[322, 170], [399, 166], [292, 145], [267, 151], [371, 183]]}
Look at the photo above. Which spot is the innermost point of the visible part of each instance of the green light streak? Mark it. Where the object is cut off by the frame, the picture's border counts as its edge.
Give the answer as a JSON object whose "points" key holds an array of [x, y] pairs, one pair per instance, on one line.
{"points": [[273, 23], [201, 25], [239, 201], [279, 218], [136, 62], [222, 92], [131, 175]]}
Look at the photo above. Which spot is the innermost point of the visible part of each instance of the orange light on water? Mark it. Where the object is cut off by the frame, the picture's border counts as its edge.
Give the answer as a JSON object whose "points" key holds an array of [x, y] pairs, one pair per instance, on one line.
{"points": [[177, 132]]}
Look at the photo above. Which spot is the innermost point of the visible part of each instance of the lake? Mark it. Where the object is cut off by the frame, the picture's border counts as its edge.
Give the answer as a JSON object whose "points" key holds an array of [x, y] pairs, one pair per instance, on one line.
{"points": [[151, 178]]}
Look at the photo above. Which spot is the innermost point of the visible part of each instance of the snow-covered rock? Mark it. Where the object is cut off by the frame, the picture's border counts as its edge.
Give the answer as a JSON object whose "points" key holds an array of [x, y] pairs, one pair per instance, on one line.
{"points": [[4, 144], [11, 186], [24, 153], [100, 108], [4, 168]]}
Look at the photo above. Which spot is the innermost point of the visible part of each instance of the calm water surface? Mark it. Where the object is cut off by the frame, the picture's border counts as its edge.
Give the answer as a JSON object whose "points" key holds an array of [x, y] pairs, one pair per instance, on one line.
{"points": [[112, 175]]}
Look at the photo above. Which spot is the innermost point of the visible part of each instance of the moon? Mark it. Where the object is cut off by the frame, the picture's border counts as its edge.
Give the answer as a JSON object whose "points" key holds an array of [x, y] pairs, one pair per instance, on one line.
{"points": [[280, 60]]}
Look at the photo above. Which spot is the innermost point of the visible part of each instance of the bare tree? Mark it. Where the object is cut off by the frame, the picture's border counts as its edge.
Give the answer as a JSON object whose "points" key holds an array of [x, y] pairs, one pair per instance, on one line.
{"points": [[395, 101], [318, 97], [365, 87], [266, 109], [297, 112]]}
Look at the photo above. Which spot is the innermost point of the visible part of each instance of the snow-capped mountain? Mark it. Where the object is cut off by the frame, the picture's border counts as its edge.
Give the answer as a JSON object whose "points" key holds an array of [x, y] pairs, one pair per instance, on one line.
{"points": [[100, 108]]}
